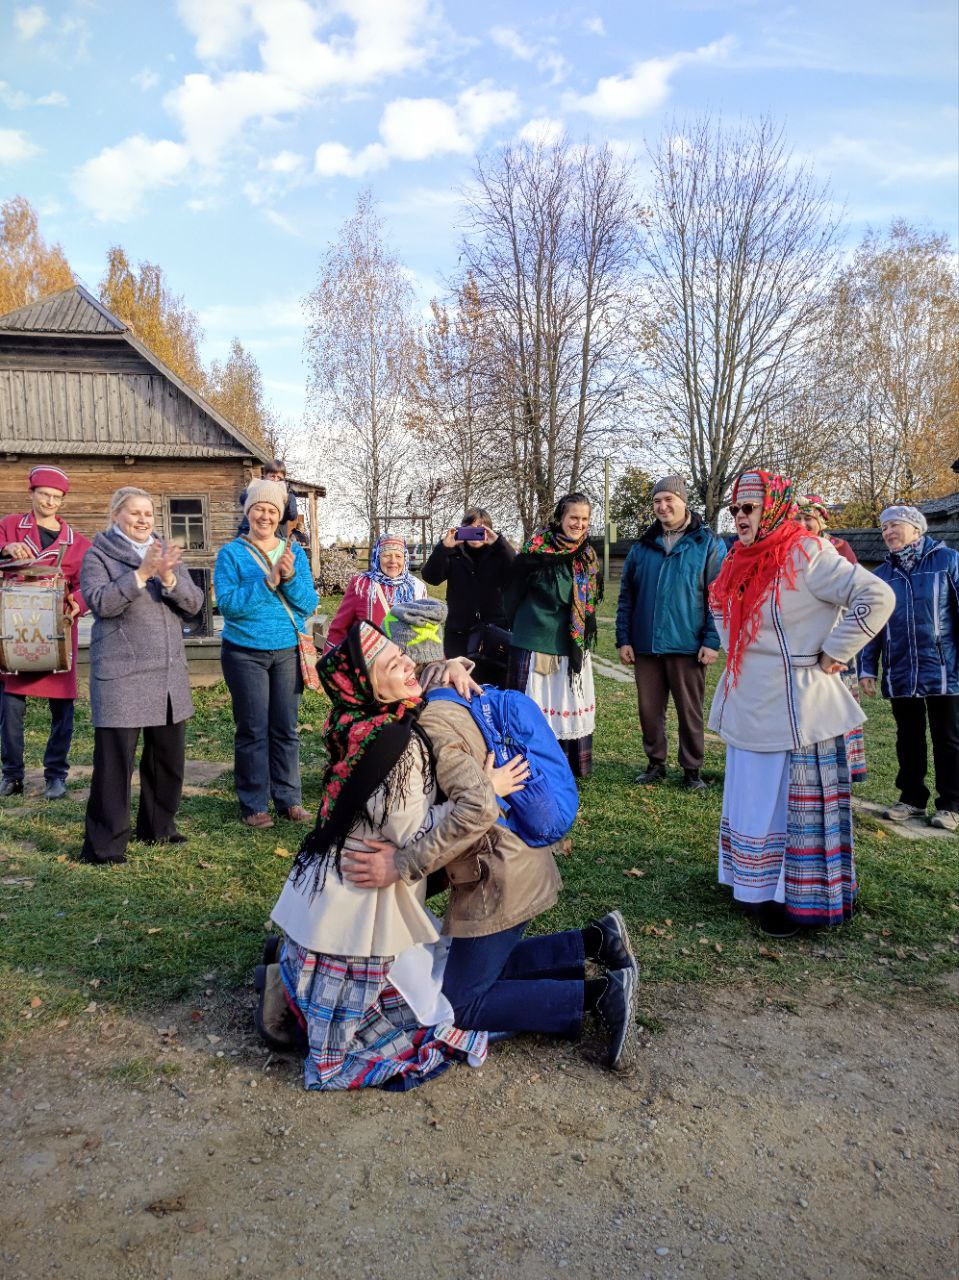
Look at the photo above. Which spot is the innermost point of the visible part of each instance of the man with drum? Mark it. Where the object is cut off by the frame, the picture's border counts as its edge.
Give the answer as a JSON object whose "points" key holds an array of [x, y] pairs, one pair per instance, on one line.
{"points": [[40, 537]]}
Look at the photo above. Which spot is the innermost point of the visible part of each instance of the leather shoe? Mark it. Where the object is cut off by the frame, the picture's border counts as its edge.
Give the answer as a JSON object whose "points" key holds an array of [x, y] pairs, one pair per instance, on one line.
{"points": [[655, 773], [613, 950], [258, 821], [11, 787], [55, 789], [693, 782], [296, 813], [615, 1009]]}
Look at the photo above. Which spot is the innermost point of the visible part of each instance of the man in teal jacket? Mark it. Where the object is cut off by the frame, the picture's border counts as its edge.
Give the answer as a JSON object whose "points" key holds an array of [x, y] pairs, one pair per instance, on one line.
{"points": [[664, 629]]}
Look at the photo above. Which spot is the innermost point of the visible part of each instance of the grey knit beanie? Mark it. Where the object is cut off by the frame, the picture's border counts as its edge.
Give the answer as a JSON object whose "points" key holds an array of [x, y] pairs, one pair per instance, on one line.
{"points": [[417, 627], [675, 485], [909, 515]]}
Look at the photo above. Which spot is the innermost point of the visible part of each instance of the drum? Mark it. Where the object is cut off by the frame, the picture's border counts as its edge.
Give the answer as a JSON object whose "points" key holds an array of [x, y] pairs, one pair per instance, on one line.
{"points": [[35, 633]]}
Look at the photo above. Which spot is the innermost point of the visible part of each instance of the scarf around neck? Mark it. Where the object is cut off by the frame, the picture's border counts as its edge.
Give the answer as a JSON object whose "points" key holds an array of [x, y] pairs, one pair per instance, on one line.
{"points": [[908, 557], [403, 587], [141, 548], [749, 575], [364, 739], [587, 584]]}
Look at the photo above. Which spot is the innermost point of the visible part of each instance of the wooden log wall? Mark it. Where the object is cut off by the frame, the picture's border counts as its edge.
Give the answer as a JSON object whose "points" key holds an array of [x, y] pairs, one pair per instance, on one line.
{"points": [[94, 480]]}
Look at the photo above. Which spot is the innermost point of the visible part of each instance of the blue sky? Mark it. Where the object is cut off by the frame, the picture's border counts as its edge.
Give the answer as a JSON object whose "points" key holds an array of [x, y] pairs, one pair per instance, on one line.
{"points": [[227, 139]]}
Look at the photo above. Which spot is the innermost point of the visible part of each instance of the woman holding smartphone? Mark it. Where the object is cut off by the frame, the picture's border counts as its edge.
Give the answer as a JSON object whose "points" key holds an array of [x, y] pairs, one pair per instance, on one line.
{"points": [[265, 592], [475, 563]]}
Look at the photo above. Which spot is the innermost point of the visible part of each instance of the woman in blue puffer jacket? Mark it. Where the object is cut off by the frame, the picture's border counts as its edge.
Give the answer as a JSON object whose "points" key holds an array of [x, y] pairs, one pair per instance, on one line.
{"points": [[920, 664]]}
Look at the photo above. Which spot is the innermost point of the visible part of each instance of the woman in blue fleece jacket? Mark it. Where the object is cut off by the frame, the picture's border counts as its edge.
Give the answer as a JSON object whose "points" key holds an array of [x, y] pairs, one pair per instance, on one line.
{"points": [[265, 592]]}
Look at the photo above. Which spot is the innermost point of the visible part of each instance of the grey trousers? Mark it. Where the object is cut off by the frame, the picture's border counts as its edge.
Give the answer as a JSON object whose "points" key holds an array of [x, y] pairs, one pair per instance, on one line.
{"points": [[683, 676]]}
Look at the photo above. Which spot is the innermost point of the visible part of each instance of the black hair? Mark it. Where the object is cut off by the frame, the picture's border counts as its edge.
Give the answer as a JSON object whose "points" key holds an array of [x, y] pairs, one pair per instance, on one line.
{"points": [[477, 515], [272, 468], [570, 500]]}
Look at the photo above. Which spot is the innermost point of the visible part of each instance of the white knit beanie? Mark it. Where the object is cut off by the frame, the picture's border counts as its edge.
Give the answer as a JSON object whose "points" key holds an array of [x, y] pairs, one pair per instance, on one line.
{"points": [[909, 515], [266, 491]]}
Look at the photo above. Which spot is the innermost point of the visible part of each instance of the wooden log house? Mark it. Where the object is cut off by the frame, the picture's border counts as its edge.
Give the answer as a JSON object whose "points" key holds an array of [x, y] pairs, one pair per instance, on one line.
{"points": [[79, 390]]}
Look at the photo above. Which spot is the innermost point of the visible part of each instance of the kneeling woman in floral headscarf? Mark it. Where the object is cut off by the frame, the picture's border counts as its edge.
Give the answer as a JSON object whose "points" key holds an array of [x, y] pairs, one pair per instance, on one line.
{"points": [[791, 613], [364, 1019], [551, 602]]}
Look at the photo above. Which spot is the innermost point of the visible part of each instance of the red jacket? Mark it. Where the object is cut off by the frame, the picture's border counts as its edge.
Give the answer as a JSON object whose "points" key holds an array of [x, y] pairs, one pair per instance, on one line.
{"points": [[363, 602], [23, 528]]}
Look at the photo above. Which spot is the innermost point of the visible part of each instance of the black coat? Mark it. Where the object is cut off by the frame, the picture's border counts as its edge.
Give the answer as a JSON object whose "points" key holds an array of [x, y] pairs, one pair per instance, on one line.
{"points": [[476, 580]]}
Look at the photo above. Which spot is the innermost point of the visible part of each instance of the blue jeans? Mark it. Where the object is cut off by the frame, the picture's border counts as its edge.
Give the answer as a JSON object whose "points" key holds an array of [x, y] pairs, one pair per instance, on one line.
{"points": [[505, 982], [55, 758], [265, 687]]}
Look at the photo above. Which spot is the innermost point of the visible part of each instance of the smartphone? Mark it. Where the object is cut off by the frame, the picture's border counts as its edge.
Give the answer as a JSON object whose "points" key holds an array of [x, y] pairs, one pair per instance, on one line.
{"points": [[471, 533]]}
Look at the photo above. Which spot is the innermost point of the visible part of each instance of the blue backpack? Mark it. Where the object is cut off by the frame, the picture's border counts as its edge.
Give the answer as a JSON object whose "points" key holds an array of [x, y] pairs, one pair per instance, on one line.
{"points": [[513, 725]]}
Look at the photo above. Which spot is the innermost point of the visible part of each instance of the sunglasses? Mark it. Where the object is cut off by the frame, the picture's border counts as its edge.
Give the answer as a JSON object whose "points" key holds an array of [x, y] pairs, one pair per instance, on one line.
{"points": [[747, 508]]}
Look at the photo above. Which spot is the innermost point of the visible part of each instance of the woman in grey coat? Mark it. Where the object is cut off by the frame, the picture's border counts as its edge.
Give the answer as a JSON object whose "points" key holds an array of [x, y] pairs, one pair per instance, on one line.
{"points": [[139, 594]]}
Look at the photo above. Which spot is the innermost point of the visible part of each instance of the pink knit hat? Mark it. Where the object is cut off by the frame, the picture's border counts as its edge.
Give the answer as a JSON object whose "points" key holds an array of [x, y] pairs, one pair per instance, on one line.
{"points": [[49, 478]]}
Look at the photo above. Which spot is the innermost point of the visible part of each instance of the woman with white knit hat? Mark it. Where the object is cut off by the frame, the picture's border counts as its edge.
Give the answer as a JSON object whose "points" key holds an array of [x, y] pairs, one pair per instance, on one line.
{"points": [[920, 663], [791, 613], [265, 592]]}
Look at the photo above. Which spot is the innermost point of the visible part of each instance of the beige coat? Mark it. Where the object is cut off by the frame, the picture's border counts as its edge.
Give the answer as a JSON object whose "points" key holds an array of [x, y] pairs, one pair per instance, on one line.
{"points": [[783, 700], [496, 881]]}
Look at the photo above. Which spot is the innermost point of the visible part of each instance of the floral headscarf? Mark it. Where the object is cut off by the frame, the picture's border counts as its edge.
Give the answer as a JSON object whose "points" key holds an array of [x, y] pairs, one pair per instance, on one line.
{"points": [[587, 584], [812, 505], [364, 737], [403, 588], [750, 574]]}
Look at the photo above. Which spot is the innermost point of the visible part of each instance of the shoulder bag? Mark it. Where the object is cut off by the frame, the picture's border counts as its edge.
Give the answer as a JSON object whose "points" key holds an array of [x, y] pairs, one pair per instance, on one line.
{"points": [[304, 643]]}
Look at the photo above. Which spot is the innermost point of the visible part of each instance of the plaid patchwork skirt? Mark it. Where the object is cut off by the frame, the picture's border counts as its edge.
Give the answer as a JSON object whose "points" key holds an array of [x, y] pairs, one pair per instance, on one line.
{"points": [[360, 1031], [855, 742], [786, 831], [568, 705]]}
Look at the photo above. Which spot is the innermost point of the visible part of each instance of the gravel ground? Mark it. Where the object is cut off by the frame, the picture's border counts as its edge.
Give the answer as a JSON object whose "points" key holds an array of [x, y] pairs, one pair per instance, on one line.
{"points": [[795, 1136]]}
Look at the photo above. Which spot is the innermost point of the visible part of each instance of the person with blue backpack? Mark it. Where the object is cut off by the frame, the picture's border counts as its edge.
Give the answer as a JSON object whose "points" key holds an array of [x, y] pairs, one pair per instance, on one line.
{"points": [[502, 873]]}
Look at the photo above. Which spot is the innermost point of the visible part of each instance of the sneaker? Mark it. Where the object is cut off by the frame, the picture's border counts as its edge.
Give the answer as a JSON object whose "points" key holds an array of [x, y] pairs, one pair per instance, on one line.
{"points": [[902, 812], [945, 820], [655, 773], [613, 951], [692, 781], [616, 1011]]}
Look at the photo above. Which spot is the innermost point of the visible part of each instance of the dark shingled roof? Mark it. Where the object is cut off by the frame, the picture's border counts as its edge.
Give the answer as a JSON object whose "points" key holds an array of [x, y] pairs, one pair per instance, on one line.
{"points": [[937, 509], [72, 311]]}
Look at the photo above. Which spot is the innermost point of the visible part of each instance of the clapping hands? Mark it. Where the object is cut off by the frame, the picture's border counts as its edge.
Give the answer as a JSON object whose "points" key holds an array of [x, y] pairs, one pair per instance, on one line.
{"points": [[284, 568], [161, 561]]}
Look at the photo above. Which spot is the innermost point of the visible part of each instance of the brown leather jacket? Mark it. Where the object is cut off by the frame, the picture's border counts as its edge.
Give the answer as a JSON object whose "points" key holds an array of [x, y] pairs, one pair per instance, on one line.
{"points": [[496, 881]]}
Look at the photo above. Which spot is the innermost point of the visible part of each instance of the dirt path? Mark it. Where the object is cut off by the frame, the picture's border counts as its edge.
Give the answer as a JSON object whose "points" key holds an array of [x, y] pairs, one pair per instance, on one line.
{"points": [[795, 1138]]}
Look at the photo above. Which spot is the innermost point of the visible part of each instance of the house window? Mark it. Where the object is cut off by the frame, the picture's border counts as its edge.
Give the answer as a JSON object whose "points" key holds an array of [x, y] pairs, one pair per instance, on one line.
{"points": [[188, 523]]}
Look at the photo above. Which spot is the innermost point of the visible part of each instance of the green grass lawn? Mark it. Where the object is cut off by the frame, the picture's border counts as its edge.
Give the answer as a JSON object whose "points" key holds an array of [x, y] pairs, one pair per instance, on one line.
{"points": [[176, 919]]}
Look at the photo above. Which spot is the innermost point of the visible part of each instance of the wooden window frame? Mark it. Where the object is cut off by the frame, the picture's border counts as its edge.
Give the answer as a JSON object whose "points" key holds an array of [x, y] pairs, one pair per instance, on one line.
{"points": [[203, 499]]}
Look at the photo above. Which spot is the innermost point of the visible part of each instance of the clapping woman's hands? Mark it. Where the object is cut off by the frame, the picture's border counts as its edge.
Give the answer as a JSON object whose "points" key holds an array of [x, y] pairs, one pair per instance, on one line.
{"points": [[170, 557], [150, 564]]}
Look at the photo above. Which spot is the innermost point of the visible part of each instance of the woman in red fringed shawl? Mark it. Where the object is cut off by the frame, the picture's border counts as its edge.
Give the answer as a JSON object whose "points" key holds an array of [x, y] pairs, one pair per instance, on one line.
{"points": [[791, 613], [814, 516], [551, 603]]}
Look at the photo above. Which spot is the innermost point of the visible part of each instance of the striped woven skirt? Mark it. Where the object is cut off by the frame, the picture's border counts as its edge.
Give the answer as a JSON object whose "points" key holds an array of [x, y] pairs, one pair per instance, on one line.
{"points": [[360, 1031], [786, 831], [855, 742], [568, 704]]}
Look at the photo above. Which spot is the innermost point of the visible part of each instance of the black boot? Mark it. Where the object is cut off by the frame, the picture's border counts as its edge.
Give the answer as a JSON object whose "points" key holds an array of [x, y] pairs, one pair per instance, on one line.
{"points": [[692, 781], [655, 773], [11, 787]]}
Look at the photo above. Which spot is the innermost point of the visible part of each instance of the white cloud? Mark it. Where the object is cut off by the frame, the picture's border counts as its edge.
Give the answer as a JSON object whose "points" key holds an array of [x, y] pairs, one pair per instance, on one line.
{"points": [[16, 146], [282, 222], [17, 100], [543, 55], [297, 64], [113, 184], [647, 85], [542, 131], [30, 21], [595, 26], [284, 163], [146, 79], [887, 162], [418, 128]]}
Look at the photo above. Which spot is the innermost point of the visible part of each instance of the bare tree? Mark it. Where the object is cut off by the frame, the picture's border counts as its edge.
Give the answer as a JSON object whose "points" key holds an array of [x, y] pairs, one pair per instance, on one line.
{"points": [[894, 317], [737, 249], [550, 244], [361, 350]]}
